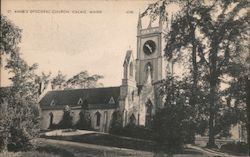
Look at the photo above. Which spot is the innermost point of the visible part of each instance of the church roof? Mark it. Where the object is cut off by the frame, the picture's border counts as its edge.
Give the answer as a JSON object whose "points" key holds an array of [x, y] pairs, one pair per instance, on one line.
{"points": [[127, 57], [97, 98]]}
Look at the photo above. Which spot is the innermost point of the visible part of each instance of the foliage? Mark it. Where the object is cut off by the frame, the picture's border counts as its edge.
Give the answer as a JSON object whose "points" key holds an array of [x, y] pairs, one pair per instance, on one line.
{"points": [[19, 108], [58, 82], [66, 121], [172, 123], [81, 80], [217, 32], [84, 80], [84, 121], [10, 37], [116, 123]]}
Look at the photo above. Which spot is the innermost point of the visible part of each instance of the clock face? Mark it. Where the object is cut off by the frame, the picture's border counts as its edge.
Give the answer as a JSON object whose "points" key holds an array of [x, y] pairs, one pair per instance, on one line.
{"points": [[149, 47]]}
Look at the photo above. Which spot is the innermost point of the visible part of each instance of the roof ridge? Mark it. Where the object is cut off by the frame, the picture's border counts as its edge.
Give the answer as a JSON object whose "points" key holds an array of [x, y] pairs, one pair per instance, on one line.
{"points": [[83, 89]]}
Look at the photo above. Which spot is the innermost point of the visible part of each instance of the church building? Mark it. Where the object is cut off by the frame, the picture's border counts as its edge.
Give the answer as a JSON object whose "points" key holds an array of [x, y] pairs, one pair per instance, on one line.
{"points": [[136, 99]]}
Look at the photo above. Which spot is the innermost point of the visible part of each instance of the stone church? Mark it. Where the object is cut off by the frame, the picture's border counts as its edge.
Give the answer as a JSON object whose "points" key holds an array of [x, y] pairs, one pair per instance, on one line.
{"points": [[137, 98]]}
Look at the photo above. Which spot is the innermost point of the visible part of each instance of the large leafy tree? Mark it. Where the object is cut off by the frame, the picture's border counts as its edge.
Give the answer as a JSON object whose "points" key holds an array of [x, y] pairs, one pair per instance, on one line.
{"points": [[10, 37], [19, 108], [226, 36], [58, 82], [84, 80], [80, 80], [222, 27]]}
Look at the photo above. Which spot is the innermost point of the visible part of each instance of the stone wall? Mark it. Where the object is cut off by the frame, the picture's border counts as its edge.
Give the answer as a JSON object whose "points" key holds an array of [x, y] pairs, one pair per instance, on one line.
{"points": [[105, 120]]}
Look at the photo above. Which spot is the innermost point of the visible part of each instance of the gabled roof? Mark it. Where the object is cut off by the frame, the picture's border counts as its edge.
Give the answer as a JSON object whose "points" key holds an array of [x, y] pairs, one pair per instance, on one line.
{"points": [[96, 97], [129, 55]]}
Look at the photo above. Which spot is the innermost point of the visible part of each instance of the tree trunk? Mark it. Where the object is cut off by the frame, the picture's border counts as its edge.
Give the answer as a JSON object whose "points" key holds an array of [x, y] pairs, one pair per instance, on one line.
{"points": [[248, 107], [213, 81], [194, 71]]}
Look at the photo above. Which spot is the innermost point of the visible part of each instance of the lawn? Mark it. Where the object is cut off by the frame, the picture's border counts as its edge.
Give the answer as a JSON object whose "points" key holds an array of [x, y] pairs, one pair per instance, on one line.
{"points": [[115, 141], [108, 140], [41, 151], [28, 154]]}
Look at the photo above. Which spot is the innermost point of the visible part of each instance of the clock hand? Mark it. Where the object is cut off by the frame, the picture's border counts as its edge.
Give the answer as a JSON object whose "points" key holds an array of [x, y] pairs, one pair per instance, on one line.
{"points": [[150, 48]]}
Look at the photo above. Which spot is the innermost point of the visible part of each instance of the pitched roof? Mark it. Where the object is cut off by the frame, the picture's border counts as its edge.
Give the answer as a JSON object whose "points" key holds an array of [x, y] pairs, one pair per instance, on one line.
{"points": [[96, 97], [129, 54]]}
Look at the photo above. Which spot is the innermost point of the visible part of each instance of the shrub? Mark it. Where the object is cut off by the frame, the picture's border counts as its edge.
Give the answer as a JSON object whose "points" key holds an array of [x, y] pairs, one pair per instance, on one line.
{"points": [[168, 129], [84, 122], [67, 119], [116, 123]]}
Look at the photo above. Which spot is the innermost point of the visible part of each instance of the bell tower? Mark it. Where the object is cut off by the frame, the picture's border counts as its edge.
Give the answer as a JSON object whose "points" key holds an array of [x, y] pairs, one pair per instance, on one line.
{"points": [[150, 51], [150, 60]]}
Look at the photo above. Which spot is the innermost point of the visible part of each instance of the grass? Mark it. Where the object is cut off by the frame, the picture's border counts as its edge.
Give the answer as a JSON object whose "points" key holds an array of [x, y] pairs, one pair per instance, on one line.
{"points": [[238, 148], [108, 140], [42, 151], [116, 141], [28, 154]]}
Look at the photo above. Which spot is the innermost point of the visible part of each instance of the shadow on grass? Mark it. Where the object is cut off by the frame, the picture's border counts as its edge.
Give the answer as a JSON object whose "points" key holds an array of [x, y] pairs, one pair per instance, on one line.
{"points": [[116, 141]]}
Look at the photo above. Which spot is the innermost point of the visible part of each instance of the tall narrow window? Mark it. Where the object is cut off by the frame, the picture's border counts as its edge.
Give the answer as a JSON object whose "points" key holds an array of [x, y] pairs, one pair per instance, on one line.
{"points": [[131, 69], [98, 118], [51, 119], [133, 94]]}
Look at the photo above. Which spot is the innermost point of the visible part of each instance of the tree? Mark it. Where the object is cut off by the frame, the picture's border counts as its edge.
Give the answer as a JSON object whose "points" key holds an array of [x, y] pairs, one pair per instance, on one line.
{"points": [[20, 120], [227, 38], [223, 28], [116, 123], [59, 81], [171, 123], [237, 93], [84, 120], [10, 38], [66, 121], [81, 80], [84, 80]]}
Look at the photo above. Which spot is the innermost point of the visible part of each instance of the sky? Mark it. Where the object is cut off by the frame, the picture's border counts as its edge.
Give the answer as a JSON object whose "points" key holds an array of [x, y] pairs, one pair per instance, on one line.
{"points": [[65, 36]]}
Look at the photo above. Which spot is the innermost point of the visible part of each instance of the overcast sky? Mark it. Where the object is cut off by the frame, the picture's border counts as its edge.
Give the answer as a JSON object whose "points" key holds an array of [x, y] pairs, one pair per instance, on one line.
{"points": [[73, 42]]}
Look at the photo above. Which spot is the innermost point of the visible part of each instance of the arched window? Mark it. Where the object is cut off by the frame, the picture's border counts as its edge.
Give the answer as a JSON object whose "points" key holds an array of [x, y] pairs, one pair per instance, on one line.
{"points": [[98, 118], [133, 95], [51, 116], [148, 71], [131, 69]]}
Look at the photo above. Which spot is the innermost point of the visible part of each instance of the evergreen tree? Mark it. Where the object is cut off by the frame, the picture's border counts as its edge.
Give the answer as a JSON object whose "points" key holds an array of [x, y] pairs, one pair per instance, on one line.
{"points": [[67, 119]]}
